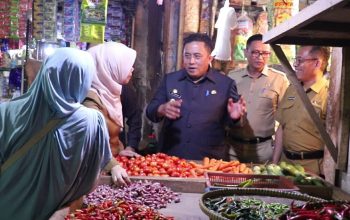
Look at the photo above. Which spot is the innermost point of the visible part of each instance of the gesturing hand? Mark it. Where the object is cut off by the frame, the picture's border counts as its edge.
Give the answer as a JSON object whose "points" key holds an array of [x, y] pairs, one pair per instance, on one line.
{"points": [[129, 152], [170, 109], [236, 109]]}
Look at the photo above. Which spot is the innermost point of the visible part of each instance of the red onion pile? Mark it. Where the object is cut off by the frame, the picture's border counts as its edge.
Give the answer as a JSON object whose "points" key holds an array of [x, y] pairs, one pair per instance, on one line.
{"points": [[151, 194]]}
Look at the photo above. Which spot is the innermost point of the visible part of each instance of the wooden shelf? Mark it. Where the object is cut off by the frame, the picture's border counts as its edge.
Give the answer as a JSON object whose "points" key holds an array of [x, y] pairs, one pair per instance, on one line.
{"points": [[325, 22]]}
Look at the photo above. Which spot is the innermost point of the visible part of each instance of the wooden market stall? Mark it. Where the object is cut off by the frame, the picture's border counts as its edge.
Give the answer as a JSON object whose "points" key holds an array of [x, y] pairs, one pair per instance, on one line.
{"points": [[326, 23]]}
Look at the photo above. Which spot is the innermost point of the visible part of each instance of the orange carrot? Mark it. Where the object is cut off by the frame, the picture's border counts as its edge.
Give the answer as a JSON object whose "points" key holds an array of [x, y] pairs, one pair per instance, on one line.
{"points": [[242, 166], [215, 165], [235, 169], [205, 161], [228, 164], [199, 172], [193, 164], [212, 161], [234, 162], [193, 173], [227, 169]]}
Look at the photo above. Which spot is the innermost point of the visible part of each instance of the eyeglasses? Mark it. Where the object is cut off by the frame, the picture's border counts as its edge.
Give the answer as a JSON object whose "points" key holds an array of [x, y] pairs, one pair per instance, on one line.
{"points": [[256, 53], [298, 60]]}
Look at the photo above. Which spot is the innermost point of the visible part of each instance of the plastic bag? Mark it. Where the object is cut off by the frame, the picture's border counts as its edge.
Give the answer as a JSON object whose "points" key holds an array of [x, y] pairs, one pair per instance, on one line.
{"points": [[244, 31]]}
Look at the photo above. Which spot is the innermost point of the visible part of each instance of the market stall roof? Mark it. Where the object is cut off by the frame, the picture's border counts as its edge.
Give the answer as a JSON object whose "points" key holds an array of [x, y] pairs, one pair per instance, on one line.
{"points": [[325, 22]]}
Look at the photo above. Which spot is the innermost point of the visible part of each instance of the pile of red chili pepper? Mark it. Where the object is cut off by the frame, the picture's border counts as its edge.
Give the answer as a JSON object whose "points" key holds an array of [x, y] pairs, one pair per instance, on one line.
{"points": [[117, 210], [324, 211]]}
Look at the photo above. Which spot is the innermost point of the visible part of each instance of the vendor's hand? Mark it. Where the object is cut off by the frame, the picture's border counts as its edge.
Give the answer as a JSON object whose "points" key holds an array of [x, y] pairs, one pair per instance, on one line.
{"points": [[236, 109], [170, 109], [119, 176], [129, 152]]}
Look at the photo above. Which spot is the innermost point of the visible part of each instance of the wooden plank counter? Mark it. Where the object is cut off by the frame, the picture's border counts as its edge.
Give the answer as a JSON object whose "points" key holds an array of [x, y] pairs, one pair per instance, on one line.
{"points": [[190, 189], [184, 185], [187, 208]]}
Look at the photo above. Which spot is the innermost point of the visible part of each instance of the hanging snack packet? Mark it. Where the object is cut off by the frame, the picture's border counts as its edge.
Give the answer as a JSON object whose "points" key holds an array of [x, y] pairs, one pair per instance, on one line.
{"points": [[4, 19], [93, 20], [282, 11], [50, 20], [38, 19], [71, 23]]}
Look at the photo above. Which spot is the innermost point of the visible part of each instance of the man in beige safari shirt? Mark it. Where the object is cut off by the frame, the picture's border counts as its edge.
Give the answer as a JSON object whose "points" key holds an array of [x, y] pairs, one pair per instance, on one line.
{"points": [[297, 138], [262, 88]]}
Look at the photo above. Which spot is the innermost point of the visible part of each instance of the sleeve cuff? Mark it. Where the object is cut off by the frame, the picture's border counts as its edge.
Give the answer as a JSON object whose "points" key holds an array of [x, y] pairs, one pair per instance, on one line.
{"points": [[113, 162]]}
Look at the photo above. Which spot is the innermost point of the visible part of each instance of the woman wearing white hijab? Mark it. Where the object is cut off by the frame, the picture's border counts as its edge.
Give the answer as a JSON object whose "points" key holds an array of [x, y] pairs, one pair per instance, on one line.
{"points": [[43, 173], [114, 65]]}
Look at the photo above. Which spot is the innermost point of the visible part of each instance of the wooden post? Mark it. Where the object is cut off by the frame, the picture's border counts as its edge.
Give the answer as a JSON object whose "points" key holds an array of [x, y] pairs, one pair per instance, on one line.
{"points": [[214, 9], [345, 112], [181, 34], [170, 34], [147, 38], [205, 18], [333, 111], [192, 16]]}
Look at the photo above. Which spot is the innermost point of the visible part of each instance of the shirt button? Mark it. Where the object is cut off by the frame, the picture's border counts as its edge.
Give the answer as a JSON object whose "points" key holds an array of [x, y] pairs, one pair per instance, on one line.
{"points": [[189, 125]]}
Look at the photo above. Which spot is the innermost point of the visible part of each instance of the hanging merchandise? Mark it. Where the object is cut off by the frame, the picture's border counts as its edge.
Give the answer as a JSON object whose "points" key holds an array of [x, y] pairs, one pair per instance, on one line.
{"points": [[243, 32], [4, 19], [50, 21], [227, 21], [282, 11], [13, 18], [14, 14], [93, 20], [240, 2], [24, 6], [38, 19], [115, 28], [261, 25], [71, 22]]}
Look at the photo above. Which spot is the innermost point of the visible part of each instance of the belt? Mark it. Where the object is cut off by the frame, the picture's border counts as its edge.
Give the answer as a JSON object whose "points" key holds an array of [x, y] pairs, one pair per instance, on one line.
{"points": [[255, 140], [304, 155]]}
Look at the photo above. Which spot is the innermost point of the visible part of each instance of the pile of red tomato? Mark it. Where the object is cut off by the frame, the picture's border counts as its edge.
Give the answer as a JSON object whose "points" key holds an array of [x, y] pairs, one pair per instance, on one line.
{"points": [[158, 164]]}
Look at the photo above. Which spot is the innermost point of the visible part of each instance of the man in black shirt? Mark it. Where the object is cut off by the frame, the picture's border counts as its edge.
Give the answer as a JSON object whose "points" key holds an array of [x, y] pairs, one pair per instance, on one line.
{"points": [[132, 118]]}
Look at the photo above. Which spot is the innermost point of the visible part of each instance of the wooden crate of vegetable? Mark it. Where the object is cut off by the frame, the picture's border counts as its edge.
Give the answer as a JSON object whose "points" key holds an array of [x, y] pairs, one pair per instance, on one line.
{"points": [[162, 165], [305, 181], [177, 184], [225, 180]]}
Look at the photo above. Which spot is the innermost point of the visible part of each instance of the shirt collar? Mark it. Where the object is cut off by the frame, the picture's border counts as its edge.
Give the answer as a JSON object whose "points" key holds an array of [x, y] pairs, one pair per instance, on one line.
{"points": [[265, 72], [317, 86], [209, 75]]}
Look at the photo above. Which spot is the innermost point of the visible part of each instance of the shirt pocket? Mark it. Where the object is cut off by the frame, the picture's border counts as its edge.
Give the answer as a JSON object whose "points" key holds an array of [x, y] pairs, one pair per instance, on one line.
{"points": [[287, 104], [306, 123], [285, 113], [267, 100]]}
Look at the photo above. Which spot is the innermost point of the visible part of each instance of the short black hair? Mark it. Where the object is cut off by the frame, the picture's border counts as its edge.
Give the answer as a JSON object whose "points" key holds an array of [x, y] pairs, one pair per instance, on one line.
{"points": [[255, 37], [201, 38]]}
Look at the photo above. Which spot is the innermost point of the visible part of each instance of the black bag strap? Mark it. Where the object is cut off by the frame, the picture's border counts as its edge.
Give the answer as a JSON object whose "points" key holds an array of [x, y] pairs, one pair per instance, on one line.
{"points": [[29, 144]]}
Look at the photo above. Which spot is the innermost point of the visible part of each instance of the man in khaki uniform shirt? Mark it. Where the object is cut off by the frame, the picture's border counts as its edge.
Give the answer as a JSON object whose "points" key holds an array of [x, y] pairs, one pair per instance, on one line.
{"points": [[297, 136], [262, 88]]}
